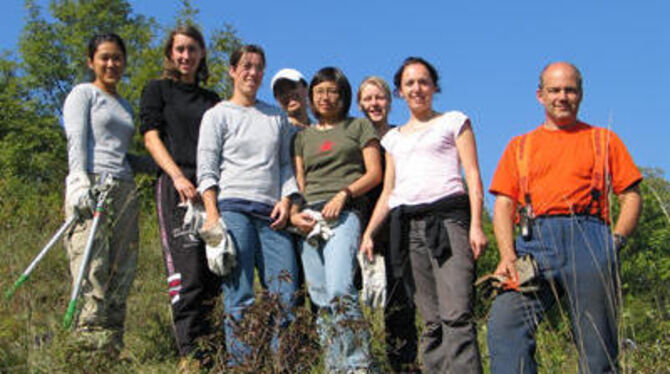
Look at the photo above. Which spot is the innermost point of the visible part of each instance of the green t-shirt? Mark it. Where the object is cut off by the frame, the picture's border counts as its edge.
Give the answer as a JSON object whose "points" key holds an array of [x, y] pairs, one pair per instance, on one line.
{"points": [[333, 158]]}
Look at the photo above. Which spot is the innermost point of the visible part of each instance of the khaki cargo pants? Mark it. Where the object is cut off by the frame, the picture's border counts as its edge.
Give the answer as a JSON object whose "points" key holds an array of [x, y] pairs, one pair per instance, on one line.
{"points": [[111, 268]]}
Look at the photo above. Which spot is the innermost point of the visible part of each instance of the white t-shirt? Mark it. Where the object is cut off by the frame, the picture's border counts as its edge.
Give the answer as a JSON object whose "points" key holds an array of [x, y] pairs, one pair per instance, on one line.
{"points": [[427, 166]]}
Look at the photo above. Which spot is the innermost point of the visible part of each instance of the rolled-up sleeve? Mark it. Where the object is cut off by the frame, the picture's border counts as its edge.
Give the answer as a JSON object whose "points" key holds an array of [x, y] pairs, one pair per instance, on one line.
{"points": [[210, 146], [76, 117], [286, 175]]}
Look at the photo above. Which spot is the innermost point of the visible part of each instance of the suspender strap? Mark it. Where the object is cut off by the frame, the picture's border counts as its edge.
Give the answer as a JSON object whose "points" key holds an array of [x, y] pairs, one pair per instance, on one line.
{"points": [[599, 174], [523, 160]]}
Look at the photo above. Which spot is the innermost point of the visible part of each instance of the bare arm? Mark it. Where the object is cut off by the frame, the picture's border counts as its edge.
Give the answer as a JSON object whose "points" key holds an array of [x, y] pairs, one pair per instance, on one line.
{"points": [[631, 208], [155, 146], [211, 208], [367, 181], [299, 172], [503, 226], [302, 221], [467, 152], [381, 208]]}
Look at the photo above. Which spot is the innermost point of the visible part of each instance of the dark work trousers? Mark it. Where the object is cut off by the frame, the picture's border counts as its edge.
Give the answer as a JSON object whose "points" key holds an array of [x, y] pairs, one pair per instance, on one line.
{"points": [[399, 318], [191, 285], [444, 293]]}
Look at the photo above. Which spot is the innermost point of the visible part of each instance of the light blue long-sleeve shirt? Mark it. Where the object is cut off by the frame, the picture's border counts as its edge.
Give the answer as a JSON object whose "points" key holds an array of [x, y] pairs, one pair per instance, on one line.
{"points": [[99, 129], [245, 152]]}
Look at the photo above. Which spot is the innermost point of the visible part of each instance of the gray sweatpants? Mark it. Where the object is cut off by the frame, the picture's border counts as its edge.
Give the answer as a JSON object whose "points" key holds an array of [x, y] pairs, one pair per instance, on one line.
{"points": [[443, 291]]}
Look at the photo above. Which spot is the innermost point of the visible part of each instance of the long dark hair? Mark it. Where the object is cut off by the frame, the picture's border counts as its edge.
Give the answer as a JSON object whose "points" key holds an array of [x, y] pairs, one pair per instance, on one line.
{"points": [[170, 71]]}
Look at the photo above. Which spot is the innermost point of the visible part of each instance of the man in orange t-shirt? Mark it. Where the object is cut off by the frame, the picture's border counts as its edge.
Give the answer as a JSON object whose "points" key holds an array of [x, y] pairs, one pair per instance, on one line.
{"points": [[560, 175]]}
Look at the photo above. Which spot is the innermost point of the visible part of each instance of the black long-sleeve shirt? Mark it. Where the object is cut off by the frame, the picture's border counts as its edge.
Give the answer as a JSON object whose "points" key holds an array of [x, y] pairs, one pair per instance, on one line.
{"points": [[175, 109]]}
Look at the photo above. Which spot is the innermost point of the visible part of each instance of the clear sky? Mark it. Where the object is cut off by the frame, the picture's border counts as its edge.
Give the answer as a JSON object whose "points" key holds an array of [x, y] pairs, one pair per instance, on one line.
{"points": [[489, 55]]}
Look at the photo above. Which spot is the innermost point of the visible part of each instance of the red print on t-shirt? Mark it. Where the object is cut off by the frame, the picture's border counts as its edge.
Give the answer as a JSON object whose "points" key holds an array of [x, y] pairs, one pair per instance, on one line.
{"points": [[326, 146]]}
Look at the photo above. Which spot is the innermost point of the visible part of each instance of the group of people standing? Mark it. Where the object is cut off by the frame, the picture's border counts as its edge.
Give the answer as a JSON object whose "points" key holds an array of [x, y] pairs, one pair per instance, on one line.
{"points": [[395, 190]]}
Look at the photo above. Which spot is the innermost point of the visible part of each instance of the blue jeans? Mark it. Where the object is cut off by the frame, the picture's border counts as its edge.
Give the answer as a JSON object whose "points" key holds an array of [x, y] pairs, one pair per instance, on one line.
{"points": [[329, 273], [577, 259], [272, 252]]}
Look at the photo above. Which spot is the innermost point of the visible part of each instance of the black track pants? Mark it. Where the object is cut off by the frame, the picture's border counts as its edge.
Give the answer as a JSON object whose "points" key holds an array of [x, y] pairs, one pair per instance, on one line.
{"points": [[192, 287]]}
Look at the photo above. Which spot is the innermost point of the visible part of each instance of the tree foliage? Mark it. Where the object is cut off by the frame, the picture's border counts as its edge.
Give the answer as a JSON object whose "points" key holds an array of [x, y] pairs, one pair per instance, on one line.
{"points": [[646, 260], [31, 148], [52, 59]]}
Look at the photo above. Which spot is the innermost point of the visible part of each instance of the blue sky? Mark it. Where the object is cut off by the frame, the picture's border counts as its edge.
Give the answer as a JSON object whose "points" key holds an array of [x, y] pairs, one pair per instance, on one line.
{"points": [[489, 55]]}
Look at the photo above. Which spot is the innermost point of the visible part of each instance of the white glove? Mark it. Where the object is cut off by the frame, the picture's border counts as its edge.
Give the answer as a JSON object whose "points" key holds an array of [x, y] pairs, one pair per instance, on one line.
{"points": [[78, 194], [374, 280], [320, 231], [220, 249], [194, 217]]}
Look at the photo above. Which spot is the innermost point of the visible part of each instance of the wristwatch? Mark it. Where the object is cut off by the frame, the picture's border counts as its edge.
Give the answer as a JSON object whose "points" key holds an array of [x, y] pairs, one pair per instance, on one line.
{"points": [[620, 241]]}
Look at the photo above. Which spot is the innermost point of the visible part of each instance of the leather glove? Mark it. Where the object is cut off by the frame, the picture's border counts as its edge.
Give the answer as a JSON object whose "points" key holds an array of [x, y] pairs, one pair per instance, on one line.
{"points": [[220, 249], [374, 280], [528, 272], [78, 194]]}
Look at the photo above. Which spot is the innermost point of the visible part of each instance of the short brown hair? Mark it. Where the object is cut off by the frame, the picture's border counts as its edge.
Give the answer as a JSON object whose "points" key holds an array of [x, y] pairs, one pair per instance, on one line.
{"points": [[247, 48]]}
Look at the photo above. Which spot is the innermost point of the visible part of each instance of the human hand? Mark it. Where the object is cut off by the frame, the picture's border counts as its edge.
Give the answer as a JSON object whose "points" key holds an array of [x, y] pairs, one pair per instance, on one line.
{"points": [[303, 221], [280, 214], [211, 220], [507, 269], [334, 206], [478, 241], [83, 203], [212, 233], [185, 188], [79, 195], [367, 246]]}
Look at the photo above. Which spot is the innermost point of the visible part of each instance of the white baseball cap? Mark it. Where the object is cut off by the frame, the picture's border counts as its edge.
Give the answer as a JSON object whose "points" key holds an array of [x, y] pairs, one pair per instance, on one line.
{"points": [[290, 74]]}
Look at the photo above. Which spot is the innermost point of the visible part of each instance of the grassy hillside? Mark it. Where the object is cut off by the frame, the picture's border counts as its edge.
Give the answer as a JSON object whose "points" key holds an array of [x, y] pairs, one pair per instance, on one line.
{"points": [[32, 341]]}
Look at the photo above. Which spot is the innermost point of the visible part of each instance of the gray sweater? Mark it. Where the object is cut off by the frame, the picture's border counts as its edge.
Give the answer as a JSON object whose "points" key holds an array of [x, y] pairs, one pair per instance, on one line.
{"points": [[99, 128], [245, 152]]}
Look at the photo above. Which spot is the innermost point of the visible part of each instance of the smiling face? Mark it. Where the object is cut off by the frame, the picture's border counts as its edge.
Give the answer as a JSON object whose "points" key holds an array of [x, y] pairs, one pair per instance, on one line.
{"points": [[417, 88], [186, 55], [247, 75], [560, 94], [327, 100], [374, 103], [108, 63]]}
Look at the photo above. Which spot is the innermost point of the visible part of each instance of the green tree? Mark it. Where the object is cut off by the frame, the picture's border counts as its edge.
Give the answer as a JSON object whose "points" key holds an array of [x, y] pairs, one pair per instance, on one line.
{"points": [[222, 41], [54, 52], [30, 147], [53, 58], [646, 260]]}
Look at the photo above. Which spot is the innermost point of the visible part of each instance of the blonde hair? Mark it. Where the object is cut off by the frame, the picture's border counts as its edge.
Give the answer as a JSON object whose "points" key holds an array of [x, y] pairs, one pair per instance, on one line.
{"points": [[375, 81]]}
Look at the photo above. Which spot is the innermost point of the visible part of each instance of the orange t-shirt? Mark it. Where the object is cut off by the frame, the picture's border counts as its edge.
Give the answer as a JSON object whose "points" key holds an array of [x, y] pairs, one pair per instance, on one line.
{"points": [[560, 169]]}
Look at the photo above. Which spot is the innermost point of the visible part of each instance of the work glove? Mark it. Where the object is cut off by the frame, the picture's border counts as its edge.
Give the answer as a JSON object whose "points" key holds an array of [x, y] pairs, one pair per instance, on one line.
{"points": [[528, 272], [79, 195], [374, 280], [321, 230], [219, 248], [194, 217]]}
